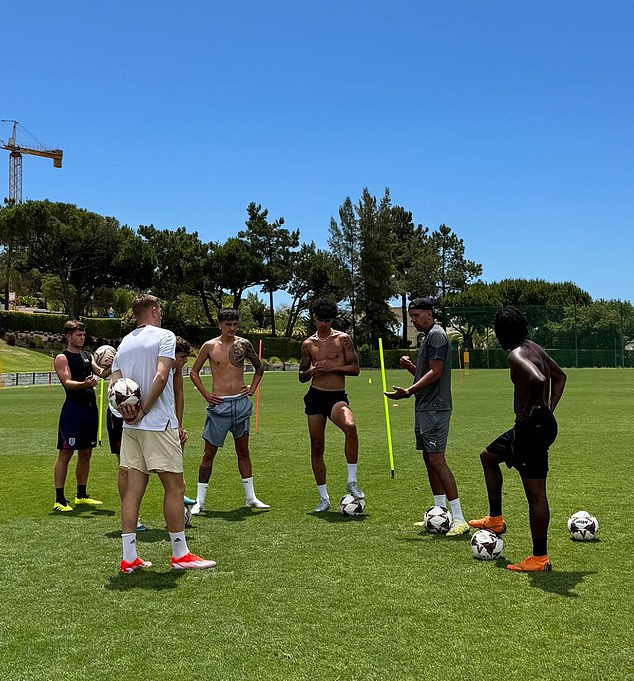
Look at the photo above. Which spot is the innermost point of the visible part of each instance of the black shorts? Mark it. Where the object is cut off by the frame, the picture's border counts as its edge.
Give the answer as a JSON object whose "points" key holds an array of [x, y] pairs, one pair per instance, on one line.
{"points": [[322, 401], [78, 423], [114, 424], [525, 446]]}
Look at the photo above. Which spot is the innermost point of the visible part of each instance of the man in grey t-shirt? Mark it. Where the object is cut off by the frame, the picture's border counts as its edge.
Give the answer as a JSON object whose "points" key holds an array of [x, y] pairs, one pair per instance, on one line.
{"points": [[432, 389]]}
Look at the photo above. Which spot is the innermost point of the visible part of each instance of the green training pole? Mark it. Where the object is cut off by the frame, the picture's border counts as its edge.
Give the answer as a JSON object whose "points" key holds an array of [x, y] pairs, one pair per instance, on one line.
{"points": [[387, 410], [101, 383]]}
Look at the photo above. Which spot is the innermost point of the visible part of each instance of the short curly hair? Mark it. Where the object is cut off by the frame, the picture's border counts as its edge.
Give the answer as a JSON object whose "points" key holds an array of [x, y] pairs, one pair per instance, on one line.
{"points": [[324, 309], [510, 327]]}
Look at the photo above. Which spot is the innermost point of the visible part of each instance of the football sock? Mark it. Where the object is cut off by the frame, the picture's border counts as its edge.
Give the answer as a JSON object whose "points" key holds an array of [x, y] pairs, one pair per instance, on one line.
{"points": [[129, 547], [540, 548], [323, 491], [495, 507], [352, 472], [456, 511], [179, 545], [60, 498], [248, 488], [202, 492], [440, 500], [81, 492]]}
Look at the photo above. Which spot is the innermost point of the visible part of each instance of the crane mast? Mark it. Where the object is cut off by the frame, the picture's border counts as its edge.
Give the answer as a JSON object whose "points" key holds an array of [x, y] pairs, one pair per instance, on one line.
{"points": [[15, 160]]}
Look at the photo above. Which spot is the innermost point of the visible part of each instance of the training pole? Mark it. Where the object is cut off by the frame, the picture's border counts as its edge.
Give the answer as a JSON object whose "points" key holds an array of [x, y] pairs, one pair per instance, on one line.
{"points": [[257, 392], [101, 384], [386, 408]]}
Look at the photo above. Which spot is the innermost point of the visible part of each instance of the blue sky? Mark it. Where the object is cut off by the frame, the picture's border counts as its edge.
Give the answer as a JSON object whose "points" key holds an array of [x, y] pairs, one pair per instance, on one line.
{"points": [[511, 122]]}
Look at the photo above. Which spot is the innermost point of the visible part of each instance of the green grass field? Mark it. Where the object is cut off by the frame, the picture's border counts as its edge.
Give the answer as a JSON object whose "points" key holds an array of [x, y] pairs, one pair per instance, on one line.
{"points": [[301, 597]]}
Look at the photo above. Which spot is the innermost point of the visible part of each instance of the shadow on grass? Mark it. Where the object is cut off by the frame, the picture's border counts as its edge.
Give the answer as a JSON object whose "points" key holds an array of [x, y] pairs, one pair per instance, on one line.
{"points": [[150, 536], [555, 582], [430, 536], [144, 579], [85, 511], [236, 515], [335, 517]]}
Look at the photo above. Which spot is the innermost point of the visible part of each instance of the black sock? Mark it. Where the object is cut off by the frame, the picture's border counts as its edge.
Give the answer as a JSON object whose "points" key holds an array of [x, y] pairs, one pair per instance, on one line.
{"points": [[495, 506], [540, 548], [81, 492], [59, 496]]}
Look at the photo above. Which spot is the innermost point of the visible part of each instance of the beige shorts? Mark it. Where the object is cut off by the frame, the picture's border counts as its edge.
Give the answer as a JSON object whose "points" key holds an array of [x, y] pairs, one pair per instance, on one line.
{"points": [[150, 451]]}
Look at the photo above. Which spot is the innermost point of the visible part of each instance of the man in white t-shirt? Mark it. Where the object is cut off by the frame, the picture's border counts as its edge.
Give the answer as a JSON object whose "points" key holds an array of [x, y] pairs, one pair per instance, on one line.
{"points": [[150, 441]]}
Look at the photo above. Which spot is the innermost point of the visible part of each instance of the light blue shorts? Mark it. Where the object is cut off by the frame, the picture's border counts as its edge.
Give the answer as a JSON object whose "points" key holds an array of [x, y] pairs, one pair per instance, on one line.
{"points": [[231, 415]]}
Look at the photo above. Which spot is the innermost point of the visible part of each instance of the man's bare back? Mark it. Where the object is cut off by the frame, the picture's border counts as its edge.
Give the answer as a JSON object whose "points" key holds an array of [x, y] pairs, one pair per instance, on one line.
{"points": [[328, 361], [537, 378]]}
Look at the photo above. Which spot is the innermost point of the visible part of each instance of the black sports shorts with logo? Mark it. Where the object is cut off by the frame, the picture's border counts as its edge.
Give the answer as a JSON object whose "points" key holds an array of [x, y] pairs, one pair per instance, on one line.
{"points": [[525, 446], [78, 424], [322, 401]]}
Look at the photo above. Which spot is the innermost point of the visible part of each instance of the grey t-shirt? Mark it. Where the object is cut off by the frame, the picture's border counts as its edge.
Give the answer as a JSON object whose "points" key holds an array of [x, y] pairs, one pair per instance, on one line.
{"points": [[437, 396]]}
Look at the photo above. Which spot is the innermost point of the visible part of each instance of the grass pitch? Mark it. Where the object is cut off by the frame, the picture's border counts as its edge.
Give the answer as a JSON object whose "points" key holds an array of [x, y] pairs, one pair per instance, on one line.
{"points": [[296, 596]]}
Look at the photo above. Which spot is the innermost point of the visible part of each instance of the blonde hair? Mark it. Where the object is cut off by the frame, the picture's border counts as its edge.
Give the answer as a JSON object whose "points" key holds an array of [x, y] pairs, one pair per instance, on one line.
{"points": [[143, 302]]}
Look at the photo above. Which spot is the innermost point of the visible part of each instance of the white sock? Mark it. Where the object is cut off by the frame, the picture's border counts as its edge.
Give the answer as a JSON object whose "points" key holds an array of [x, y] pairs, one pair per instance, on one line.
{"points": [[179, 544], [202, 493], [248, 488], [440, 500], [456, 511], [129, 547], [323, 491], [352, 472]]}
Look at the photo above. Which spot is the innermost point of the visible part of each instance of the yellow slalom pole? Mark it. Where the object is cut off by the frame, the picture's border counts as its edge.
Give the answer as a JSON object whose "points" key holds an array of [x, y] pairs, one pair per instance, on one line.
{"points": [[387, 410], [101, 384], [257, 394]]}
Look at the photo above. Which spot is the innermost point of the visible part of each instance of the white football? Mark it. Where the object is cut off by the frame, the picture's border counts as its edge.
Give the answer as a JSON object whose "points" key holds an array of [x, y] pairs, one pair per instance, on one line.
{"points": [[437, 520], [102, 354], [486, 545], [351, 506], [124, 391], [583, 526]]}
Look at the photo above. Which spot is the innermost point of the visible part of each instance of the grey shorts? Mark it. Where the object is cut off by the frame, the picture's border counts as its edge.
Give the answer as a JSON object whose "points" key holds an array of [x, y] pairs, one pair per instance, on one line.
{"points": [[431, 429], [231, 415]]}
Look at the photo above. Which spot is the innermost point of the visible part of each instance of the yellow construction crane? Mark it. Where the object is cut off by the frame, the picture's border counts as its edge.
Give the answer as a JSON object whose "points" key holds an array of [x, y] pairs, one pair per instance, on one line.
{"points": [[15, 159]]}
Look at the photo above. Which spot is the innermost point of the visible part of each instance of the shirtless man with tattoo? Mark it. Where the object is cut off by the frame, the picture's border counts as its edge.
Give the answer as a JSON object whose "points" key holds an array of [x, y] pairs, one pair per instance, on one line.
{"points": [[328, 356], [229, 407]]}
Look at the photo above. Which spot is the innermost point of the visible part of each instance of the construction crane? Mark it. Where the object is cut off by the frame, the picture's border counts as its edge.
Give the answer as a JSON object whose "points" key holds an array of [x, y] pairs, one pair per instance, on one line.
{"points": [[15, 159]]}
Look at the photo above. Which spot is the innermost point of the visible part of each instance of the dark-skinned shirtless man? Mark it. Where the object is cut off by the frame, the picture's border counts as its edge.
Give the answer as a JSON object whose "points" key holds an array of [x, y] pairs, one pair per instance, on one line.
{"points": [[538, 385]]}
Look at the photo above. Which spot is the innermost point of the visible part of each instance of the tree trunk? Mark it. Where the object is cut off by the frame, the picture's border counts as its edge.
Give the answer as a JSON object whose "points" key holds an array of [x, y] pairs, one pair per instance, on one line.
{"points": [[205, 302], [404, 316], [272, 311]]}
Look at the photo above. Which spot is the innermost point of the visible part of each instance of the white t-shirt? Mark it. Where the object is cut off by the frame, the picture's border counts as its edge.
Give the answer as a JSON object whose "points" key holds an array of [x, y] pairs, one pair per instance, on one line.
{"points": [[137, 358]]}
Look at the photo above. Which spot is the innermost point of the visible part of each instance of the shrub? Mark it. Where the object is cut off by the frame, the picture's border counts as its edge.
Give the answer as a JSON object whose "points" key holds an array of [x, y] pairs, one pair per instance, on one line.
{"points": [[9, 338], [275, 360]]}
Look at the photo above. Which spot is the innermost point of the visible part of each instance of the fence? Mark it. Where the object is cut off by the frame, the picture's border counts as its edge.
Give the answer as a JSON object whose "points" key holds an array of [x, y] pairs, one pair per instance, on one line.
{"points": [[24, 378], [600, 334]]}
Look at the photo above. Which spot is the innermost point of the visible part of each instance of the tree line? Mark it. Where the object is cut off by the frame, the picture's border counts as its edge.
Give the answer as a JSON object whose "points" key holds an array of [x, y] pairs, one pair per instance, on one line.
{"points": [[376, 253]]}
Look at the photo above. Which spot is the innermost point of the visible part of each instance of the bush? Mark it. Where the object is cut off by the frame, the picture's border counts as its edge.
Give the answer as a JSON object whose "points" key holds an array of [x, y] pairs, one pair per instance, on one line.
{"points": [[275, 360], [9, 338]]}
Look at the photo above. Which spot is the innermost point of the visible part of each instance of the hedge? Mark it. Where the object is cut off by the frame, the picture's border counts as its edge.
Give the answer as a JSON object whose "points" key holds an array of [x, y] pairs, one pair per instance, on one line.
{"points": [[54, 323]]}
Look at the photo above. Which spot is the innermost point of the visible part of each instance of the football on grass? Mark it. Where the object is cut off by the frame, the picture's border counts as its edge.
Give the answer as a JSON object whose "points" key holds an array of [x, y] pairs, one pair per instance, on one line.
{"points": [[437, 520], [350, 506], [486, 545], [104, 353], [583, 526], [125, 391]]}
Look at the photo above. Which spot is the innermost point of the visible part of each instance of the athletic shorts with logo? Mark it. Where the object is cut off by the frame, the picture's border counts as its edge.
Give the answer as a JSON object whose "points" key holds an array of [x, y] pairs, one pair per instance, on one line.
{"points": [[78, 424], [525, 446], [431, 428], [322, 401], [230, 416]]}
